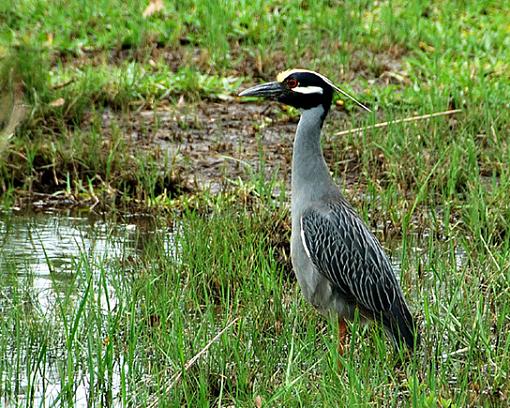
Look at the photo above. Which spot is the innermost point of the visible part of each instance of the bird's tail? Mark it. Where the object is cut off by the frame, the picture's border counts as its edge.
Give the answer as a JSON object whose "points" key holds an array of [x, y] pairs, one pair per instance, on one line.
{"points": [[402, 326]]}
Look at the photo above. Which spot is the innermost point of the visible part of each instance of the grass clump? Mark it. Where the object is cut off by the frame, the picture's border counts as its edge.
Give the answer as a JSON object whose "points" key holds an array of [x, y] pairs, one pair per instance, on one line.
{"points": [[19, 82], [126, 331]]}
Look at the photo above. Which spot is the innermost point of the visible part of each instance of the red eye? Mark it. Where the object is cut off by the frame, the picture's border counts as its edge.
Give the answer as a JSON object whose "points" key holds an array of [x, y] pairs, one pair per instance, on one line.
{"points": [[292, 83]]}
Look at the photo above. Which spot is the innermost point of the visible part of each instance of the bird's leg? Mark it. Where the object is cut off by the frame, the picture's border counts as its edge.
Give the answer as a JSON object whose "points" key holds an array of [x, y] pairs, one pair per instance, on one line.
{"points": [[342, 331]]}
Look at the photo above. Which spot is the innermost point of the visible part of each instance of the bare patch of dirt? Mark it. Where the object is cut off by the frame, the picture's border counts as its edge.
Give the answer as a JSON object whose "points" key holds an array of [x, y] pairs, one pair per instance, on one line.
{"points": [[211, 145]]}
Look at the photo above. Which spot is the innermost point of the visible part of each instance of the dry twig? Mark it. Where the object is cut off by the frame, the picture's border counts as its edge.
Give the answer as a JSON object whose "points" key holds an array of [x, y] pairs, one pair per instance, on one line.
{"points": [[393, 122], [175, 378]]}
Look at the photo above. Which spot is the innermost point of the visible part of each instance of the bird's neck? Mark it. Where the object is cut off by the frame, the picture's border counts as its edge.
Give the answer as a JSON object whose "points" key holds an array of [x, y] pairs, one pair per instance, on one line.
{"points": [[310, 174]]}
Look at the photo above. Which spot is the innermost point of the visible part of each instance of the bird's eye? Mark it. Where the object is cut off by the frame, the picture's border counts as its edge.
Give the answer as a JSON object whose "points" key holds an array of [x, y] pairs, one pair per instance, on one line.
{"points": [[292, 82]]}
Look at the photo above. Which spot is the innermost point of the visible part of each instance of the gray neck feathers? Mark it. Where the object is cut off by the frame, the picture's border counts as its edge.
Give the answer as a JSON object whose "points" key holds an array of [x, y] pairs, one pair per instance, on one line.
{"points": [[310, 175]]}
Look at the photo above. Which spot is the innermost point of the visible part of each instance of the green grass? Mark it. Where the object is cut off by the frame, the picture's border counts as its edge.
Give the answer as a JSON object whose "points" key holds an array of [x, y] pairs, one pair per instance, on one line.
{"points": [[131, 328], [399, 57], [431, 190]]}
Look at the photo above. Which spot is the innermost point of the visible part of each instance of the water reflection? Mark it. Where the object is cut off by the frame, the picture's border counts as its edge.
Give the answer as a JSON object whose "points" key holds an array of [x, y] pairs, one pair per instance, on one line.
{"points": [[43, 253], [44, 249]]}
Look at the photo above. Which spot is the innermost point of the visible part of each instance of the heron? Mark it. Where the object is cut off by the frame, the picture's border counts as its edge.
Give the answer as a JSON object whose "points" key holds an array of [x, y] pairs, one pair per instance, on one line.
{"points": [[340, 265]]}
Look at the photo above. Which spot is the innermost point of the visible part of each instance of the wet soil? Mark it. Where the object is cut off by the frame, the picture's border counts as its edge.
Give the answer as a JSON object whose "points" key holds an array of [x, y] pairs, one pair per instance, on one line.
{"points": [[210, 145], [217, 142], [213, 144]]}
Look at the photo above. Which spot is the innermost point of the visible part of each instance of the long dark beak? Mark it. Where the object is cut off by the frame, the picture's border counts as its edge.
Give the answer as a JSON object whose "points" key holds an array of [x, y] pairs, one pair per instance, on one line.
{"points": [[269, 90]]}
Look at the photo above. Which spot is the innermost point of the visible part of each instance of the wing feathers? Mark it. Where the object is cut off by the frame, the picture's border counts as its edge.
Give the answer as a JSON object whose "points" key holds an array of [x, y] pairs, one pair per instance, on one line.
{"points": [[343, 249]]}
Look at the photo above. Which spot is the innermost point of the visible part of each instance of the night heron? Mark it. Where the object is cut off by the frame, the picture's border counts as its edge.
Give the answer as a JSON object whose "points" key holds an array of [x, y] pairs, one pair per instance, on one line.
{"points": [[340, 265]]}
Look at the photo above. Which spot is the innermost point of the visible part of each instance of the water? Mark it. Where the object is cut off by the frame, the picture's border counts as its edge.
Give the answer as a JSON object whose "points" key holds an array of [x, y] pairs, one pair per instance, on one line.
{"points": [[43, 251]]}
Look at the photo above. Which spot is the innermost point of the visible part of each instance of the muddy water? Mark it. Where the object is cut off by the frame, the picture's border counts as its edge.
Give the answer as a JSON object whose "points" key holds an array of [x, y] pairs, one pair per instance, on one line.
{"points": [[43, 248], [40, 253]]}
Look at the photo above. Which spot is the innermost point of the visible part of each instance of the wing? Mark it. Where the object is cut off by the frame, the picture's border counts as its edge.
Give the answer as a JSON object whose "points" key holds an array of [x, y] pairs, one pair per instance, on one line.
{"points": [[344, 250]]}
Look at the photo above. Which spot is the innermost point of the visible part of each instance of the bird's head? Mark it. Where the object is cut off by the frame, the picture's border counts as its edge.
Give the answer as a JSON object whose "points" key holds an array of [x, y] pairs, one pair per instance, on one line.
{"points": [[300, 88]]}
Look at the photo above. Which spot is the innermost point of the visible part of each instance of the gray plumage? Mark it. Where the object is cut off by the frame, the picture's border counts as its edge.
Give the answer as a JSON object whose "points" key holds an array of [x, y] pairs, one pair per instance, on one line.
{"points": [[340, 265]]}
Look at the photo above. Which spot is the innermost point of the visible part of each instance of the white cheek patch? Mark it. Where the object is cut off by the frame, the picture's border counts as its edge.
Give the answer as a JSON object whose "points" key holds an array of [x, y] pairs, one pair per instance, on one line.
{"points": [[308, 90]]}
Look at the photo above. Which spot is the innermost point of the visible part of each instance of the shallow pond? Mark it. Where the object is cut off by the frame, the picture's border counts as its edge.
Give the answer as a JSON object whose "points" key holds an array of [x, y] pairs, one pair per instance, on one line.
{"points": [[40, 253]]}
